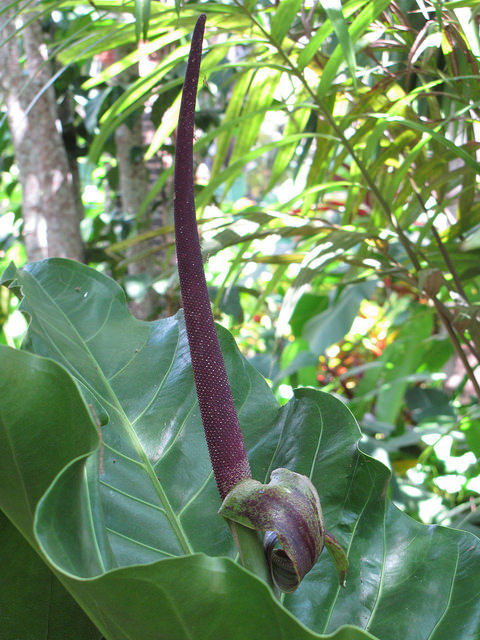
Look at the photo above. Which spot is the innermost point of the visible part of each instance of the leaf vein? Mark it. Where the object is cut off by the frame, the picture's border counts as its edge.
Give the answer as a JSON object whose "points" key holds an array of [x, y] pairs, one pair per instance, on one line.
{"points": [[360, 515], [195, 495], [140, 544], [132, 497], [450, 594], [161, 384]]}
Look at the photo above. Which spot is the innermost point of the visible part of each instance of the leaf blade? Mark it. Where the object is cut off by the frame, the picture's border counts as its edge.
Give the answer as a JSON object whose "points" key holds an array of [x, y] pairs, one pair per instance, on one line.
{"points": [[282, 20], [334, 11], [314, 434]]}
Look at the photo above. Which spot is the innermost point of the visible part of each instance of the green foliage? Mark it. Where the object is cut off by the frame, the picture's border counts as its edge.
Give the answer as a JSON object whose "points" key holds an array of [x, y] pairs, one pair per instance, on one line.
{"points": [[339, 218], [35, 603], [120, 503]]}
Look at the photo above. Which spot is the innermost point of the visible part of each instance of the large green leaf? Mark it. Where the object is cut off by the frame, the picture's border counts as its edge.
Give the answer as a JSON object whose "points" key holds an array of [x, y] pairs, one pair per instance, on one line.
{"points": [[33, 603], [125, 521], [333, 324]]}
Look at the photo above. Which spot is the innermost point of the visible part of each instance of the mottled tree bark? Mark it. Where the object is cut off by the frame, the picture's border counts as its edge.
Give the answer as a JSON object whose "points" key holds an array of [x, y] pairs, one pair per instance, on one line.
{"points": [[134, 184], [50, 215]]}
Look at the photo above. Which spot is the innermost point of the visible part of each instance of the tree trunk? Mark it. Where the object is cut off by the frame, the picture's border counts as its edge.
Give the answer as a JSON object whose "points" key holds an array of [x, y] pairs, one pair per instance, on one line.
{"points": [[51, 225], [134, 184]]}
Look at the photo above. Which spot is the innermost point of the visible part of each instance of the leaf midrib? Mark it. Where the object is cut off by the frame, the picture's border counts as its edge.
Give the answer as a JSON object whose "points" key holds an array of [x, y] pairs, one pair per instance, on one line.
{"points": [[112, 401]]}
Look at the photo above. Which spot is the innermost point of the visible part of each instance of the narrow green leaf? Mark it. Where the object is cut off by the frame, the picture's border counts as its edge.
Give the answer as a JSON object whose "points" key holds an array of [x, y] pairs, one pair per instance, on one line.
{"points": [[431, 133], [357, 29], [334, 11], [233, 110], [296, 123], [259, 96], [278, 258], [127, 103], [168, 124], [324, 153], [313, 45], [285, 14], [133, 58], [235, 167], [142, 19]]}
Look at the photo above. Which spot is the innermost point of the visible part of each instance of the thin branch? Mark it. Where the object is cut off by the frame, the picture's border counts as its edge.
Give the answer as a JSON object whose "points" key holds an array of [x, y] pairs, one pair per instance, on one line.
{"points": [[449, 263], [456, 343], [441, 309]]}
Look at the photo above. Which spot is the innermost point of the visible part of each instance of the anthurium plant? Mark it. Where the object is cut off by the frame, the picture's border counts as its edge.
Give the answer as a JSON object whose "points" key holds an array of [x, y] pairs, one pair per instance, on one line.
{"points": [[151, 487]]}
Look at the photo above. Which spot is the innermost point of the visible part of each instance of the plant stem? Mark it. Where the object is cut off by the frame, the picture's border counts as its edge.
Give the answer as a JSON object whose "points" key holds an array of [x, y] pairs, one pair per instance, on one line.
{"points": [[220, 420], [252, 555]]}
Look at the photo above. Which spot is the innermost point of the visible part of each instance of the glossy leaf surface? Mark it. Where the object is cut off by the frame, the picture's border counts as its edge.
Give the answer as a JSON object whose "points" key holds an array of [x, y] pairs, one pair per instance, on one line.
{"points": [[33, 603], [125, 521]]}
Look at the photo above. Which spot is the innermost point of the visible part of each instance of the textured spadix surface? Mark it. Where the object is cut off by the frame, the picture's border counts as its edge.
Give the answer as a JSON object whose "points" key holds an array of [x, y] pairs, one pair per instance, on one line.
{"points": [[129, 523]]}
